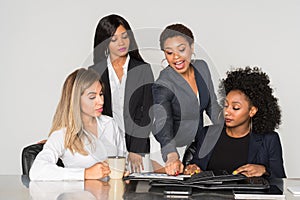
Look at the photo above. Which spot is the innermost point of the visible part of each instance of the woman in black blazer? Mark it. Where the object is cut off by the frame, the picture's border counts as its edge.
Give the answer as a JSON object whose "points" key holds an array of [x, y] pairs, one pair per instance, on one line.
{"points": [[128, 81], [248, 143]]}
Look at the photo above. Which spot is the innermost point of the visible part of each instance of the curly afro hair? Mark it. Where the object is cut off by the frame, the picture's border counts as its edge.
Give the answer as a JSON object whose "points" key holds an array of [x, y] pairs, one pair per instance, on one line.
{"points": [[255, 85]]}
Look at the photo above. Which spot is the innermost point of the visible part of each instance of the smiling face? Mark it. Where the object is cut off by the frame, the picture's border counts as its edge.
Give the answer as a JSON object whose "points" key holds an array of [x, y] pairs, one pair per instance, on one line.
{"points": [[119, 43], [92, 100], [178, 53], [237, 110]]}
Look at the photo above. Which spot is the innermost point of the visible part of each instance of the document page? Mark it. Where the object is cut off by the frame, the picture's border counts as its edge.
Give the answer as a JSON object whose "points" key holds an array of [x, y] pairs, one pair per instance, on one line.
{"points": [[152, 175]]}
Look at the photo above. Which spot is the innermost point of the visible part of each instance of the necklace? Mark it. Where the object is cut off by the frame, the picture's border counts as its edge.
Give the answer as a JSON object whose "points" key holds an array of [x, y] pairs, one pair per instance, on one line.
{"points": [[229, 133]]}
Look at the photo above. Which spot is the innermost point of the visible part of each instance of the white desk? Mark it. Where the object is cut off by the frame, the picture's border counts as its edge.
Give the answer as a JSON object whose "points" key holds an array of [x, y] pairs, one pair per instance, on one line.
{"points": [[19, 187], [291, 182]]}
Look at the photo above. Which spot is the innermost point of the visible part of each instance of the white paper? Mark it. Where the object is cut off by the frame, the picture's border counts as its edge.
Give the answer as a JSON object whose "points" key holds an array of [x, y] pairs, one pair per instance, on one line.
{"points": [[151, 175]]}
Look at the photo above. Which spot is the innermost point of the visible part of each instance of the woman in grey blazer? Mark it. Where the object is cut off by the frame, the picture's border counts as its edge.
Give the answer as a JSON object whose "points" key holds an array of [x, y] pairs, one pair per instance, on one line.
{"points": [[182, 94]]}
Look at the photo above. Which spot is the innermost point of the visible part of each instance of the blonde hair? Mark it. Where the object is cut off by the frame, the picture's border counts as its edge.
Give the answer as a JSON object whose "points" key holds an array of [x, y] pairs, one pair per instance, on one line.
{"points": [[68, 111]]}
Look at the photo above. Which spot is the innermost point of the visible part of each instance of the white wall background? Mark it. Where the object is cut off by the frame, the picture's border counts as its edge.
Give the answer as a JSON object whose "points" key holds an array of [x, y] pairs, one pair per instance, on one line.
{"points": [[41, 42]]}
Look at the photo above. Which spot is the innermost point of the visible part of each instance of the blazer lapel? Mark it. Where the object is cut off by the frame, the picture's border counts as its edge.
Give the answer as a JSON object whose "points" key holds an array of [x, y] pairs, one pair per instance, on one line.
{"points": [[131, 64]]}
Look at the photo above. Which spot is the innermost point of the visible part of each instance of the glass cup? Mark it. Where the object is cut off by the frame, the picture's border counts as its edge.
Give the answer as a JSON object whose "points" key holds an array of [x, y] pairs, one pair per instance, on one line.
{"points": [[117, 166]]}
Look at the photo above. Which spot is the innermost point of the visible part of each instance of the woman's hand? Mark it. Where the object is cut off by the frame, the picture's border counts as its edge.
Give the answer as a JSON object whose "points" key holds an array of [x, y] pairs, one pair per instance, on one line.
{"points": [[192, 169], [173, 165], [97, 171], [136, 162], [251, 170]]}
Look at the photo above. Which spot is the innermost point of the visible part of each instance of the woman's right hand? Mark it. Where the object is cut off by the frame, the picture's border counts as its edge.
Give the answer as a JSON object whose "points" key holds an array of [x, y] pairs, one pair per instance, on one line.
{"points": [[192, 169], [173, 165], [97, 171], [136, 162]]}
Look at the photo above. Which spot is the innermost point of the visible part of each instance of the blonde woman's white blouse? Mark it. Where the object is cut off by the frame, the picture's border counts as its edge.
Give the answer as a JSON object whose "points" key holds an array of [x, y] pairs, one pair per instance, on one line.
{"points": [[108, 143]]}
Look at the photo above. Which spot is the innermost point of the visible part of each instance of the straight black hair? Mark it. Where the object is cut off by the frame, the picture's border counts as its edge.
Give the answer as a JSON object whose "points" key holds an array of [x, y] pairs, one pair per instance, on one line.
{"points": [[106, 28]]}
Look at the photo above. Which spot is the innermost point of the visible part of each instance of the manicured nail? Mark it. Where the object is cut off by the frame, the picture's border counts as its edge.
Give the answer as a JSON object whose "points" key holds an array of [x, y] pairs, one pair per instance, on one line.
{"points": [[234, 172]]}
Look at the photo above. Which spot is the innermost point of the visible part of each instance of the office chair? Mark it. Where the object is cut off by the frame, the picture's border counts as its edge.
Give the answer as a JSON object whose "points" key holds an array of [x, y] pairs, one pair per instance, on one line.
{"points": [[189, 154], [28, 155]]}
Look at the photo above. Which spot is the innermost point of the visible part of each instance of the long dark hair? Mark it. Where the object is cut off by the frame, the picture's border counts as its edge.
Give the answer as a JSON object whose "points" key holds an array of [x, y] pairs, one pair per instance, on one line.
{"points": [[106, 28]]}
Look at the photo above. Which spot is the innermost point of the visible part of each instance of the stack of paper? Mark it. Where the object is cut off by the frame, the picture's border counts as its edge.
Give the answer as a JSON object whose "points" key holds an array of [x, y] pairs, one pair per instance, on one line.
{"points": [[151, 175]]}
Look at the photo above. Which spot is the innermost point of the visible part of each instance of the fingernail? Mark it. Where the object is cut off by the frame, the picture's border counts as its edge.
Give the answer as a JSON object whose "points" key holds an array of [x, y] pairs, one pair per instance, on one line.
{"points": [[234, 172]]}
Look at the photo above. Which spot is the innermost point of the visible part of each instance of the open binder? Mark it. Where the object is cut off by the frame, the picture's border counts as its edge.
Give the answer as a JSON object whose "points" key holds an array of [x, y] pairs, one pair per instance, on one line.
{"points": [[212, 180]]}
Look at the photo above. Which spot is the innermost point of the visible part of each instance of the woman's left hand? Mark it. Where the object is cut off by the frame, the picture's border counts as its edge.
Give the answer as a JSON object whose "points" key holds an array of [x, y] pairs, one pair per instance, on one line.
{"points": [[251, 170], [192, 169]]}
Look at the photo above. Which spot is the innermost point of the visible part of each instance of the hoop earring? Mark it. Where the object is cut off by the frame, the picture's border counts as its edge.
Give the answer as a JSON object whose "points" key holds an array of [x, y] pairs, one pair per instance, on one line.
{"points": [[250, 125], [221, 113], [106, 53], [193, 59], [162, 63]]}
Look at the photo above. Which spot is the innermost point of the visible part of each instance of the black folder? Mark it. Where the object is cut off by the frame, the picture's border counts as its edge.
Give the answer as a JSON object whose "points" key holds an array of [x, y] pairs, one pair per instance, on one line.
{"points": [[212, 180]]}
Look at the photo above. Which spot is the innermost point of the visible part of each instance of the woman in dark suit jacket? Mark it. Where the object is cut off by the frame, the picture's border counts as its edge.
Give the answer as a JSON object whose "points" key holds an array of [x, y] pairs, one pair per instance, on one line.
{"points": [[128, 81], [248, 143]]}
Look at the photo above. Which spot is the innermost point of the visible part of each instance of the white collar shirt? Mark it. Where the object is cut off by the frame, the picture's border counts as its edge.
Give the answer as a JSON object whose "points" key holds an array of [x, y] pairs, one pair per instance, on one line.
{"points": [[108, 143], [118, 92]]}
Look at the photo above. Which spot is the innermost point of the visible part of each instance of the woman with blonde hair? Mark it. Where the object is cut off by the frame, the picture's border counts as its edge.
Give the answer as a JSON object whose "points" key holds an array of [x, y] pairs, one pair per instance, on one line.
{"points": [[80, 136]]}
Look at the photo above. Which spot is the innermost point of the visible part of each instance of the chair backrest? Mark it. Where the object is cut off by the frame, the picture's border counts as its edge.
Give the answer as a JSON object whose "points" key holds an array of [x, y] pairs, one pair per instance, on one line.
{"points": [[189, 154], [28, 155]]}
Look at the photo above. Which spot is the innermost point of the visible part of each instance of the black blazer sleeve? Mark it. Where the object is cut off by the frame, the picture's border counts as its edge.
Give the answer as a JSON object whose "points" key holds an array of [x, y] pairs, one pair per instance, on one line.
{"points": [[139, 122], [265, 149]]}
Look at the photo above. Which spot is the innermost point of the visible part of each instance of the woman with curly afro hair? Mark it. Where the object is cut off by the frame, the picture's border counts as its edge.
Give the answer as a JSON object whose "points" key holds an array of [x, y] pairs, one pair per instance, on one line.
{"points": [[248, 143]]}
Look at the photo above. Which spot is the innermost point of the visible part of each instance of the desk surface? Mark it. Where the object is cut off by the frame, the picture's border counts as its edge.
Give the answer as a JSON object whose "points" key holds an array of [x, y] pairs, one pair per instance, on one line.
{"points": [[19, 187]]}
